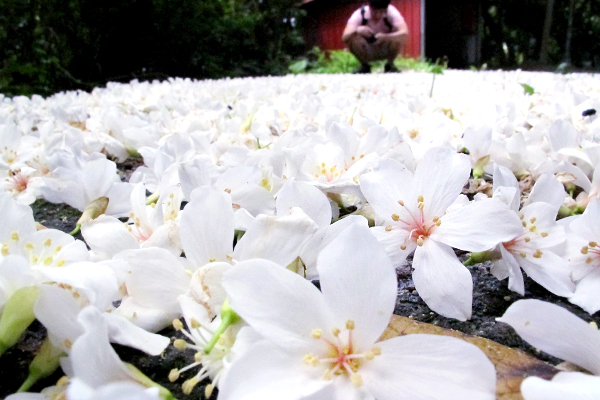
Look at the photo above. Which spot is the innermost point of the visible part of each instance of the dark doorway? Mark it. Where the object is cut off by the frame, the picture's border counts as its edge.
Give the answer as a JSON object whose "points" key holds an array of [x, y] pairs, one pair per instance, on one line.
{"points": [[453, 32]]}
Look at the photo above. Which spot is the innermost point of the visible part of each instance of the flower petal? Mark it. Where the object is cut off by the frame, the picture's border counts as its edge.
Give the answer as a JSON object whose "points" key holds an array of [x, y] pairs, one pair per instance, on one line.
{"points": [[288, 309], [278, 239], [478, 226], [359, 283], [206, 227], [439, 178], [429, 367], [564, 385], [93, 359], [156, 279], [442, 281], [586, 292], [550, 271], [266, 372], [107, 236], [556, 331], [310, 199], [389, 183]]}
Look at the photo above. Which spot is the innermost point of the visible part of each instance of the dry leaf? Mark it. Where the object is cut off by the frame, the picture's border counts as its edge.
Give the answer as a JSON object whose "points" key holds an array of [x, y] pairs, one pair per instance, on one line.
{"points": [[512, 366]]}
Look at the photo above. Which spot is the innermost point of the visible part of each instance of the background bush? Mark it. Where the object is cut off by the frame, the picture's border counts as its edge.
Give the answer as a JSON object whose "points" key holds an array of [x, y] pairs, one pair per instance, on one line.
{"points": [[52, 45]]}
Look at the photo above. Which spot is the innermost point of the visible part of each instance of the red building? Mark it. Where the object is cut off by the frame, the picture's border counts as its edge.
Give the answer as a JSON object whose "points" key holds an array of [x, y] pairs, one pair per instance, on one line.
{"points": [[447, 29]]}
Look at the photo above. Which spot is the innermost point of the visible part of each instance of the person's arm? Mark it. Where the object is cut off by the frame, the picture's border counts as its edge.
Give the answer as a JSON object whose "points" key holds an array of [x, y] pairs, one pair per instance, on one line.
{"points": [[354, 27], [399, 31]]}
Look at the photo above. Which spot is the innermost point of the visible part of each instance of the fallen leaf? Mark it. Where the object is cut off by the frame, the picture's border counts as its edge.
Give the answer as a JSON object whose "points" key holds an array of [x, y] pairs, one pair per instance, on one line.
{"points": [[512, 366]]}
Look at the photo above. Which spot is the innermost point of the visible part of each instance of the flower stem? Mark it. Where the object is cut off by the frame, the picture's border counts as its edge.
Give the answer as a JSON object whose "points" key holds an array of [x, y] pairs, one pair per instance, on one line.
{"points": [[228, 317], [76, 230]]}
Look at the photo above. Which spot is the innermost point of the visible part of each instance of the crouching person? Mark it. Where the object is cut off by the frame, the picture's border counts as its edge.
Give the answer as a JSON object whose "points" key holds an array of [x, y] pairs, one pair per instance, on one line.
{"points": [[376, 32]]}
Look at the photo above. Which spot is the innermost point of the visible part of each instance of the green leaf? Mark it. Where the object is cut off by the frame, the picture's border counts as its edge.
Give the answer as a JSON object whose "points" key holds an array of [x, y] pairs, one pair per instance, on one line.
{"points": [[528, 89], [299, 66]]}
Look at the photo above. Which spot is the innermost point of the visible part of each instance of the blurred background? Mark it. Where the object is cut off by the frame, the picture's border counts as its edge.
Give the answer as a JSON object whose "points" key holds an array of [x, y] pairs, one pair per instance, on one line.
{"points": [[48, 46]]}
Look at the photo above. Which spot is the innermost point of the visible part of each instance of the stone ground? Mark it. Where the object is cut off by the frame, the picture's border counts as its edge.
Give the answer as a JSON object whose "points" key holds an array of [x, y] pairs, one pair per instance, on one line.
{"points": [[490, 299]]}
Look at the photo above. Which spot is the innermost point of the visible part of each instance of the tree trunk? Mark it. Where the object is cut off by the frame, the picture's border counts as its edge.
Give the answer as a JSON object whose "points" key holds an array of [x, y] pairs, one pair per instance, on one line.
{"points": [[546, 32], [567, 58]]}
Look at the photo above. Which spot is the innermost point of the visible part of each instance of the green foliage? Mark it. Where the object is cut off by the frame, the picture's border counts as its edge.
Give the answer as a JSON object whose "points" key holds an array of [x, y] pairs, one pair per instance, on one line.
{"points": [[52, 45], [512, 33], [343, 62], [527, 89]]}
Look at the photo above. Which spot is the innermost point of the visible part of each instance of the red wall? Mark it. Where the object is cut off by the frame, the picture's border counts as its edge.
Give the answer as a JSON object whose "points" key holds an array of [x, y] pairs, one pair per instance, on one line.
{"points": [[325, 24]]}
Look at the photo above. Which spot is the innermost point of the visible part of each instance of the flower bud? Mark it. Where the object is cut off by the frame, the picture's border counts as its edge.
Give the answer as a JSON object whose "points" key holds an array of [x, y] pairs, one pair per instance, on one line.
{"points": [[17, 316]]}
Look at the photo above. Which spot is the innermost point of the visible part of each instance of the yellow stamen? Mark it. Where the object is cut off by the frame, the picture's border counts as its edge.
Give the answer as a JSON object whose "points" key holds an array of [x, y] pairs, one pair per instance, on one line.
{"points": [[584, 250], [356, 380], [173, 375], [180, 344], [189, 385], [177, 324]]}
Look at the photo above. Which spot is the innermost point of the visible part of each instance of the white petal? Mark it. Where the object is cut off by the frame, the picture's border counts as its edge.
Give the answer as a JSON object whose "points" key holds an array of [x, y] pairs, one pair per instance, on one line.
{"points": [[206, 226], [358, 282], [107, 236], [392, 240], [167, 237], [98, 282], [310, 199], [278, 239], [564, 385], [440, 177], [157, 278], [122, 331], [205, 286], [14, 274], [586, 292], [288, 309], [266, 372], [544, 215], [442, 281], [479, 226], [588, 225], [556, 331], [93, 359], [515, 276], [322, 238], [15, 218], [551, 272], [420, 367], [505, 177], [119, 204], [389, 182], [549, 190], [150, 319], [57, 310]]}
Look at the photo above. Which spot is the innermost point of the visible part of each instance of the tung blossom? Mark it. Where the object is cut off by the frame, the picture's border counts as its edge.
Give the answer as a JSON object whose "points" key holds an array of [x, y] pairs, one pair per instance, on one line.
{"points": [[322, 345], [416, 217], [583, 255], [532, 249]]}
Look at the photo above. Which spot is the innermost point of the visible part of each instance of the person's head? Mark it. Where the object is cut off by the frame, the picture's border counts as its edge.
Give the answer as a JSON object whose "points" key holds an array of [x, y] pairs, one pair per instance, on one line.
{"points": [[378, 8]]}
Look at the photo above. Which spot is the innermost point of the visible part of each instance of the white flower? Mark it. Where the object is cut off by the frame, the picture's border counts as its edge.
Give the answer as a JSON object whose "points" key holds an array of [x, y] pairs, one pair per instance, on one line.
{"points": [[557, 332], [531, 250], [416, 218], [583, 255], [322, 345]]}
